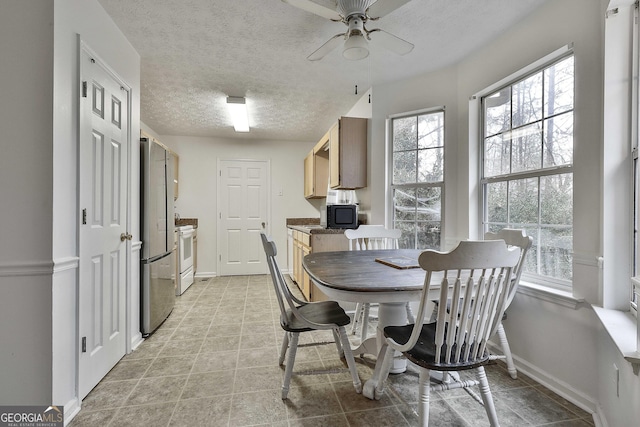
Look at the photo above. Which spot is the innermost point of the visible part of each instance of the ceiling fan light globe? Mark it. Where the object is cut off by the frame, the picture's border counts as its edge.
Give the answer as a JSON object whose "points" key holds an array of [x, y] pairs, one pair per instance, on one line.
{"points": [[355, 48]]}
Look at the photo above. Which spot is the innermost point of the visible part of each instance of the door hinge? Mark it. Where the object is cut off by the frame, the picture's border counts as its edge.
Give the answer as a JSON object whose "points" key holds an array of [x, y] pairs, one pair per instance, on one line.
{"points": [[84, 216], [84, 344], [84, 89]]}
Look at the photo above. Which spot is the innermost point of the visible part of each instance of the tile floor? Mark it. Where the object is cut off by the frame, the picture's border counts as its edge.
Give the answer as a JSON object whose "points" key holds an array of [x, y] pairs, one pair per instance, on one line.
{"points": [[214, 363]]}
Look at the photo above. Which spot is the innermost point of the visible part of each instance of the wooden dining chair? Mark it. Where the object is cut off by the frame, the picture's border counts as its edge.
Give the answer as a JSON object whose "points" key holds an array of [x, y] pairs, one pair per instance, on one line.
{"points": [[477, 280], [516, 238], [297, 316], [371, 237]]}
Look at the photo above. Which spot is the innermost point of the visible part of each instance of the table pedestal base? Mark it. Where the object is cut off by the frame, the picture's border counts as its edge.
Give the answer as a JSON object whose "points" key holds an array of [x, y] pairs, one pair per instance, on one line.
{"points": [[389, 314]]}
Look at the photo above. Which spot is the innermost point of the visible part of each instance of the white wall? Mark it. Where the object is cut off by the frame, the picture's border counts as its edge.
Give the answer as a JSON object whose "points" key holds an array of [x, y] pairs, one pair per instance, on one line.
{"points": [[198, 184], [26, 118], [541, 332]]}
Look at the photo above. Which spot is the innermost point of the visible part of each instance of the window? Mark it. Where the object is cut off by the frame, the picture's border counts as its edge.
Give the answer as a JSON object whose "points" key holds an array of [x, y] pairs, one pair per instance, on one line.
{"points": [[527, 166], [417, 178]]}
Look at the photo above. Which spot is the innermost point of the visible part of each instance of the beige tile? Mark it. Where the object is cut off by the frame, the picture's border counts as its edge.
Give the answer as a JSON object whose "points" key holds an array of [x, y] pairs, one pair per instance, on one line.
{"points": [[181, 347], [208, 384], [220, 361], [312, 401], [108, 395], [322, 421], [381, 417], [211, 412], [261, 378], [189, 331], [256, 408], [92, 419], [128, 370], [177, 365], [223, 330], [221, 368], [216, 344], [266, 356], [258, 340], [156, 390], [155, 415], [146, 350], [352, 401]]}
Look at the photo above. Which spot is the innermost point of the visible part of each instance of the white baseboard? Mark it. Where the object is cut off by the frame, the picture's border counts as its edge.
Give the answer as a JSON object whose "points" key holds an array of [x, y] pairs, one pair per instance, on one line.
{"points": [[136, 340], [561, 388], [71, 409], [205, 274]]}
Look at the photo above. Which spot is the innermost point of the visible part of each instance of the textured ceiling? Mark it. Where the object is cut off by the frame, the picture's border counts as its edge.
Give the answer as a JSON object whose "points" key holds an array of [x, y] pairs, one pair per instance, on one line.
{"points": [[195, 53]]}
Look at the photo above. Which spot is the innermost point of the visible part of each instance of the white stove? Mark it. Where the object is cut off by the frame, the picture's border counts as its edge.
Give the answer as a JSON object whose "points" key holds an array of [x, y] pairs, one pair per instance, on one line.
{"points": [[185, 258]]}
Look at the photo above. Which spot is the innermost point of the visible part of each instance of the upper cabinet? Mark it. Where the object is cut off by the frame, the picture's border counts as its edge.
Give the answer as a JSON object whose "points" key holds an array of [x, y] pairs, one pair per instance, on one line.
{"points": [[316, 170], [348, 153], [338, 160]]}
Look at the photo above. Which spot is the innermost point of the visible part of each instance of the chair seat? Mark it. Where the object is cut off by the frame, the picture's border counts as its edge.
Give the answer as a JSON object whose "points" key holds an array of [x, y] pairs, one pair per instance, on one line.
{"points": [[424, 352], [327, 313]]}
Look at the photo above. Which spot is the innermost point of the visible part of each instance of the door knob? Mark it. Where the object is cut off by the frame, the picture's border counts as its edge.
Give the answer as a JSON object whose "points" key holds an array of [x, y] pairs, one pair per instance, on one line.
{"points": [[263, 225], [125, 236]]}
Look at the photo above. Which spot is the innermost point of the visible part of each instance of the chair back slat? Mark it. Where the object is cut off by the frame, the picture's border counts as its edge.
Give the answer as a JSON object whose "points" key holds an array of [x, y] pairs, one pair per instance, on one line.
{"points": [[472, 298], [372, 237]]}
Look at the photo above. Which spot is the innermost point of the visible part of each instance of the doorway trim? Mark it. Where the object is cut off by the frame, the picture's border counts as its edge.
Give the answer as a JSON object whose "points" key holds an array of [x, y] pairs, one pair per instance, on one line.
{"points": [[84, 48]]}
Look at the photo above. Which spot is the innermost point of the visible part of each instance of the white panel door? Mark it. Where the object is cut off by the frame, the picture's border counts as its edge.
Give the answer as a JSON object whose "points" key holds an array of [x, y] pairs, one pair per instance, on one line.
{"points": [[104, 147], [243, 201]]}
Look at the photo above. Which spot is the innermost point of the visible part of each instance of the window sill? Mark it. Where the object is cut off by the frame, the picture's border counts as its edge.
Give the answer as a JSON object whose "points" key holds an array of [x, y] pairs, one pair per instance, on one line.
{"points": [[545, 293], [621, 327]]}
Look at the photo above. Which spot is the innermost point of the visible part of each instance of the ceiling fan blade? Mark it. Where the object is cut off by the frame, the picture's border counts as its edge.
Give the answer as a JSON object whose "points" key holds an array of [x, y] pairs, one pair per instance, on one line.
{"points": [[330, 45], [384, 7], [315, 8], [391, 42]]}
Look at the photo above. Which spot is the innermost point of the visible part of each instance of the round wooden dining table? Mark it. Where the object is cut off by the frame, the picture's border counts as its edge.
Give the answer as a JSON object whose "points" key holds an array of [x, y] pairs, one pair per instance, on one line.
{"points": [[367, 276]]}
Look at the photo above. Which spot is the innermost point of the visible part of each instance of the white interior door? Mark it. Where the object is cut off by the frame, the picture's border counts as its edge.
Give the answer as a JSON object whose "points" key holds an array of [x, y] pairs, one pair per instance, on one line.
{"points": [[103, 153], [243, 204]]}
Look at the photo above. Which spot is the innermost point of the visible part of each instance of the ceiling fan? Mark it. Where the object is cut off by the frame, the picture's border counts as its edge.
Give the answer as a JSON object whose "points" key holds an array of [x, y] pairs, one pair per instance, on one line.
{"points": [[355, 14]]}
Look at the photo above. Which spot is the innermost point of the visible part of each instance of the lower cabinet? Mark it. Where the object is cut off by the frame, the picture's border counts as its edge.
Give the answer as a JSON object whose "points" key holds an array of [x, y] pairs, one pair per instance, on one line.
{"points": [[304, 244]]}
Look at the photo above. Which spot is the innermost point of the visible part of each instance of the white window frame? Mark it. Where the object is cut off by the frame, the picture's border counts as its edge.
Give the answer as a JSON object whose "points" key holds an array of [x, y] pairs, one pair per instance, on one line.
{"points": [[634, 292], [478, 123], [389, 157]]}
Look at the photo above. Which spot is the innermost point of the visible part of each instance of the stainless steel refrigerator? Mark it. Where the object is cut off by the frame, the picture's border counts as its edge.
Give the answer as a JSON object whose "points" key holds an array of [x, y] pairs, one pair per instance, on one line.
{"points": [[157, 269]]}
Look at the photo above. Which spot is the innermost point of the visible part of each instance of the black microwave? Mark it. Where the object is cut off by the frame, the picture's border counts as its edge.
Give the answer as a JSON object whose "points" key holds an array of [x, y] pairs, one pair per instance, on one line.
{"points": [[342, 216]]}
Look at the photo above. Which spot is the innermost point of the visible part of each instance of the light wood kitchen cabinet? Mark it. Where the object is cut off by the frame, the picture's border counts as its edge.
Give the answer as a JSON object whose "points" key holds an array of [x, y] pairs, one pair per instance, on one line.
{"points": [[348, 153], [305, 243], [316, 170]]}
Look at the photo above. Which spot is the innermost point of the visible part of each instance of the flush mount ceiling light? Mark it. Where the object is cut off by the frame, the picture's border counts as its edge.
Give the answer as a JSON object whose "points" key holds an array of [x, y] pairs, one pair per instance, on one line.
{"points": [[238, 109]]}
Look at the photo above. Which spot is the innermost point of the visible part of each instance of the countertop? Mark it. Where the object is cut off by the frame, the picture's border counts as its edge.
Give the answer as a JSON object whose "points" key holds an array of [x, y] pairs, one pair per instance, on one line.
{"points": [[311, 226], [316, 229], [186, 221]]}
